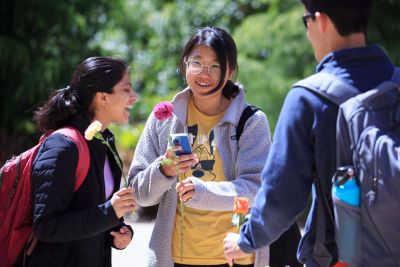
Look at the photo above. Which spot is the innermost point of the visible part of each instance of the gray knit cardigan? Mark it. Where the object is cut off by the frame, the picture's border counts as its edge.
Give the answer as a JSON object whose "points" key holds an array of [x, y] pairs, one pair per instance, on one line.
{"points": [[242, 161]]}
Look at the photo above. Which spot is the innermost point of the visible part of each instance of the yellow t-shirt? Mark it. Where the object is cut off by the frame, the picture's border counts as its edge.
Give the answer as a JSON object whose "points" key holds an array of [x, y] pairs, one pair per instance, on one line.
{"points": [[203, 230]]}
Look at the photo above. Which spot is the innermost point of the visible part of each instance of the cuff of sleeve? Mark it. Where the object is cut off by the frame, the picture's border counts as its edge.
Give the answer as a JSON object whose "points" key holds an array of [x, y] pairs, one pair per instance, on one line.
{"points": [[131, 230], [159, 164], [198, 188], [243, 243], [111, 216]]}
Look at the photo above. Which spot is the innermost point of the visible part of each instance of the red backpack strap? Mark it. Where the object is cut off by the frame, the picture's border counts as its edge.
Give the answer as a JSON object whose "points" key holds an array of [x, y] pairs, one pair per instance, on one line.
{"points": [[83, 153]]}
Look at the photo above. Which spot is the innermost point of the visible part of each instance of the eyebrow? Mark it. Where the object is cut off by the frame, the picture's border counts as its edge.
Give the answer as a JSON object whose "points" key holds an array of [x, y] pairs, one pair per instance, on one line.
{"points": [[199, 57], [125, 85]]}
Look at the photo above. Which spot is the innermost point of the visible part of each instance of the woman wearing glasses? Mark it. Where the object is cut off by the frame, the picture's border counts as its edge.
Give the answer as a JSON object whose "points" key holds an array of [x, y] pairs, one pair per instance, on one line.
{"points": [[220, 167]]}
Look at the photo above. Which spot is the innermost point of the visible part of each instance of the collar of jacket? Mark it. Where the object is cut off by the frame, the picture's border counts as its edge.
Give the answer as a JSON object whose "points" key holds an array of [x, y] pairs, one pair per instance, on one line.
{"points": [[232, 114]]}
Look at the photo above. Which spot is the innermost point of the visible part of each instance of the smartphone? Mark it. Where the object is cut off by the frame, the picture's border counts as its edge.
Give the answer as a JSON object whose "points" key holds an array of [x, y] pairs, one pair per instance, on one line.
{"points": [[181, 139]]}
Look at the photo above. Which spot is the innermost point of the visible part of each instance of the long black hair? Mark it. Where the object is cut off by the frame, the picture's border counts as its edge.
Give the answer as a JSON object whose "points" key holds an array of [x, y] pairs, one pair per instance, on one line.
{"points": [[225, 48], [94, 74]]}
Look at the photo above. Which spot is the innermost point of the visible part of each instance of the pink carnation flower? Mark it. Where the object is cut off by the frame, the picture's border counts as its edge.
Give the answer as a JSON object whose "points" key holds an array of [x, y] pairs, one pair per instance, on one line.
{"points": [[163, 110]]}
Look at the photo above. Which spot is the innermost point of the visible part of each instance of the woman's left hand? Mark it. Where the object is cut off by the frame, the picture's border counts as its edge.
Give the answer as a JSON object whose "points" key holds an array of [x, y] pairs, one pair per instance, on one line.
{"points": [[122, 238], [185, 190]]}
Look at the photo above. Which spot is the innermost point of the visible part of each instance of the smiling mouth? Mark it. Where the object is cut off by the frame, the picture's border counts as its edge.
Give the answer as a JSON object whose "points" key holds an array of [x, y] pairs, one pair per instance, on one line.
{"points": [[203, 84]]}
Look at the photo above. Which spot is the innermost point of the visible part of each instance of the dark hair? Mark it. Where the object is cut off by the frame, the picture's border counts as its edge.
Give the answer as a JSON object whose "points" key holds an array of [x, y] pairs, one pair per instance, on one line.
{"points": [[225, 48], [349, 16], [94, 74]]}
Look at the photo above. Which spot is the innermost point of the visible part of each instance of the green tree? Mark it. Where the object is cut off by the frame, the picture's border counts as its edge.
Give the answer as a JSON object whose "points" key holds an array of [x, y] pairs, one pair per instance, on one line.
{"points": [[274, 50], [41, 42]]}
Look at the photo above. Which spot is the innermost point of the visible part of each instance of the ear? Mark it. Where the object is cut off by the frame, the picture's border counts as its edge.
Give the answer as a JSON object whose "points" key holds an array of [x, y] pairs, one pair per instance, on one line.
{"points": [[322, 21], [100, 98], [230, 74]]}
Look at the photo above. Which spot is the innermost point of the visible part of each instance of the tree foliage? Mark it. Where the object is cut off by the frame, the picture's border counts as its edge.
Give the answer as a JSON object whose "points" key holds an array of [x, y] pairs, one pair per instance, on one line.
{"points": [[42, 41]]}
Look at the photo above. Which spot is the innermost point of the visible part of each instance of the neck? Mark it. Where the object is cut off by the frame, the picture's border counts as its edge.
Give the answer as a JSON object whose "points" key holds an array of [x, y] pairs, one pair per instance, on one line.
{"points": [[351, 41], [104, 123], [211, 106]]}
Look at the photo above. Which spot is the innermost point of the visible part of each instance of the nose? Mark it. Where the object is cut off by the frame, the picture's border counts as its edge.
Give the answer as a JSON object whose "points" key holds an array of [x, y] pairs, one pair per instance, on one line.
{"points": [[205, 69], [133, 96]]}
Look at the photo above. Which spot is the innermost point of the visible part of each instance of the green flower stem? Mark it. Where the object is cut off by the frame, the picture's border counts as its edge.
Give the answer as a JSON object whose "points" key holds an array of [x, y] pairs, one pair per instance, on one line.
{"points": [[240, 222], [182, 217], [180, 204], [101, 138], [181, 207]]}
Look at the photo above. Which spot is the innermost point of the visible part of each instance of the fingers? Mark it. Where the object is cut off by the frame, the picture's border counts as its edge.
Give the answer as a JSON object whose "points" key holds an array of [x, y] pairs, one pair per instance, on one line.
{"points": [[186, 162], [231, 249], [185, 190], [182, 163], [121, 238], [124, 230], [228, 246], [125, 191], [123, 201], [170, 152]]}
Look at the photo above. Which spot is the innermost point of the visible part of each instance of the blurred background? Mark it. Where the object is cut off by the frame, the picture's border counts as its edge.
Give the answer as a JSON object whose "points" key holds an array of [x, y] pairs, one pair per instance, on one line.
{"points": [[42, 42]]}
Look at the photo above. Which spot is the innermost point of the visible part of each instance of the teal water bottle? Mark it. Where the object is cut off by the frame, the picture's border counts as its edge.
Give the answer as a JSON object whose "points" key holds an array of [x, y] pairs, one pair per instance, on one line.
{"points": [[345, 186], [346, 197]]}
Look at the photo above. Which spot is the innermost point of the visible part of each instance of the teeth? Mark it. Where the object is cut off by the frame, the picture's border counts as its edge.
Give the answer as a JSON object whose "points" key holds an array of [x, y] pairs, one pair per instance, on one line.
{"points": [[203, 84]]}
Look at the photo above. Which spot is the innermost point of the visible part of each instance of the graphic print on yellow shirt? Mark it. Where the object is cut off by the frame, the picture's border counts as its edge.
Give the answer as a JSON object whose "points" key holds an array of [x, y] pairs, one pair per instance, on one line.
{"points": [[203, 230]]}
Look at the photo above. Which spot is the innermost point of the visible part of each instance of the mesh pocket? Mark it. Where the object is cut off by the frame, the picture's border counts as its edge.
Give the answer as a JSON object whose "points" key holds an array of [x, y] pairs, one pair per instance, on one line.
{"points": [[348, 232]]}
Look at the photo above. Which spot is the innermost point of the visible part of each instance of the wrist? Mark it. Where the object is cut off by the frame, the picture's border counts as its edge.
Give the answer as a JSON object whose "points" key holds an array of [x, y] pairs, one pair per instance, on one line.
{"points": [[163, 171]]}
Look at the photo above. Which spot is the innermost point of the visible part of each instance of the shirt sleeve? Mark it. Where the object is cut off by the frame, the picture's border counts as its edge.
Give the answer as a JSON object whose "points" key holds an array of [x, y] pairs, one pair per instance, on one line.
{"points": [[287, 175], [145, 175], [251, 157]]}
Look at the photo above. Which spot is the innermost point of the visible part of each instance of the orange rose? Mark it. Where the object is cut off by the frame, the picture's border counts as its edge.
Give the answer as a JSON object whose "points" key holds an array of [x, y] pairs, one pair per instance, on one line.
{"points": [[241, 205]]}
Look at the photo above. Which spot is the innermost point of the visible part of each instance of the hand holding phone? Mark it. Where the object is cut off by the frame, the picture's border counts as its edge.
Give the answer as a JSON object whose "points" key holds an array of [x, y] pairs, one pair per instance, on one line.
{"points": [[181, 139]]}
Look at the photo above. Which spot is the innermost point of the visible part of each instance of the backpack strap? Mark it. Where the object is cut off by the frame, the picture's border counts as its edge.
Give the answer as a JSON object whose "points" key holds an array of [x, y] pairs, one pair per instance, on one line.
{"points": [[80, 173], [83, 153], [329, 87], [246, 114]]}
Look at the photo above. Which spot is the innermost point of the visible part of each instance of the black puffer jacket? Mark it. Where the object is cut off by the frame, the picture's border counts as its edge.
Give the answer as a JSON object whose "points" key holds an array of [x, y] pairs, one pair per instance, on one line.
{"points": [[73, 227]]}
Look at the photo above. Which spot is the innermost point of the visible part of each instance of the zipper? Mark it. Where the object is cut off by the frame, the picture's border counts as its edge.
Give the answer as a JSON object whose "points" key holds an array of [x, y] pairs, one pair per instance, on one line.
{"points": [[372, 193]]}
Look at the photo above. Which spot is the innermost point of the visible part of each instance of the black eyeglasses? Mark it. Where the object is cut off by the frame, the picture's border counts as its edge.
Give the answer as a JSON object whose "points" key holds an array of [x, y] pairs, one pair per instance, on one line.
{"points": [[306, 17]]}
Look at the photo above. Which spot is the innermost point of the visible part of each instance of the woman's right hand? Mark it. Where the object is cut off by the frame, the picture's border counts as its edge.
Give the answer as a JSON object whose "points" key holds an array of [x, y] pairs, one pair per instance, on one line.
{"points": [[185, 162], [123, 201]]}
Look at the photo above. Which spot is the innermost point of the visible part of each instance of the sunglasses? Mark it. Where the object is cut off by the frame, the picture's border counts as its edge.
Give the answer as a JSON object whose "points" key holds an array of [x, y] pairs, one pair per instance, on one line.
{"points": [[306, 17]]}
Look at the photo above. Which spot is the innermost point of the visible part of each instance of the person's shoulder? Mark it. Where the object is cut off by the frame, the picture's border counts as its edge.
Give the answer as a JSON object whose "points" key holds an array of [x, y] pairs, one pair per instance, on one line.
{"points": [[300, 97], [258, 113], [256, 121], [56, 151], [301, 105], [58, 143]]}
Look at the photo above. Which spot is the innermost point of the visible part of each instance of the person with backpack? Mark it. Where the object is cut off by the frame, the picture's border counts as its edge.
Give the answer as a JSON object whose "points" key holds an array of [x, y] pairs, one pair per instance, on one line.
{"points": [[78, 227], [302, 159], [196, 195]]}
